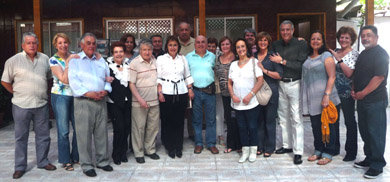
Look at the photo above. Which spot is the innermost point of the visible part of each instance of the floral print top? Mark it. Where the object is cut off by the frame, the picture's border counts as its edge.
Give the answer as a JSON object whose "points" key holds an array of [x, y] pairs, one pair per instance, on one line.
{"points": [[343, 83], [59, 87]]}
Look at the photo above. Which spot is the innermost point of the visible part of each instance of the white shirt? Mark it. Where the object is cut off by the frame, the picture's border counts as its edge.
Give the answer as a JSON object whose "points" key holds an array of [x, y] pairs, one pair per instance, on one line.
{"points": [[243, 82], [171, 72]]}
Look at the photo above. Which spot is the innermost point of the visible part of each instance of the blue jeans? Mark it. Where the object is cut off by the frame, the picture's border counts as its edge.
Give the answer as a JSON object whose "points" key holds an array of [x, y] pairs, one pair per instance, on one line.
{"points": [[247, 126], [372, 127], [208, 101], [321, 149], [348, 108], [63, 112]]}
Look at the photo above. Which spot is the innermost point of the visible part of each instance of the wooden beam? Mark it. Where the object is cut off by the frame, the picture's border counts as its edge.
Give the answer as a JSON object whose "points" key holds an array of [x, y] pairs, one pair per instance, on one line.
{"points": [[202, 17], [369, 12], [37, 6]]}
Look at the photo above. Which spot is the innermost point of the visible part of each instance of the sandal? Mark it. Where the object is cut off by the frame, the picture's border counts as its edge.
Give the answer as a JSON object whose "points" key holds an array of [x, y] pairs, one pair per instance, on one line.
{"points": [[227, 150], [68, 166], [266, 154], [313, 158], [324, 161], [259, 152]]}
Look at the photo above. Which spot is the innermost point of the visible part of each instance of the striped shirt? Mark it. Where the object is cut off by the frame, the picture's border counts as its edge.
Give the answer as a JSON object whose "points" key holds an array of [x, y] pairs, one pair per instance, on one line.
{"points": [[144, 75]]}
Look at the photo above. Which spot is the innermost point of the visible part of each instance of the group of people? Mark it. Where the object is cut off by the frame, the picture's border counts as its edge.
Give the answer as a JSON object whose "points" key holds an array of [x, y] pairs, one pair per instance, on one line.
{"points": [[218, 80]]}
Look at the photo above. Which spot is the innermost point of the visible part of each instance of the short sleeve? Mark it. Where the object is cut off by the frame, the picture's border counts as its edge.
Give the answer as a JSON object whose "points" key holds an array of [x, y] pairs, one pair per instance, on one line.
{"points": [[8, 74], [132, 72], [381, 62], [257, 69], [53, 62]]}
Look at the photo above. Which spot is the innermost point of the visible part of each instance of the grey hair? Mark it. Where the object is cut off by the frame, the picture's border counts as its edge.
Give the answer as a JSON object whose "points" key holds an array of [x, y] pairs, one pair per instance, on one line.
{"points": [[88, 34], [183, 22], [29, 34], [288, 22], [146, 42], [250, 30]]}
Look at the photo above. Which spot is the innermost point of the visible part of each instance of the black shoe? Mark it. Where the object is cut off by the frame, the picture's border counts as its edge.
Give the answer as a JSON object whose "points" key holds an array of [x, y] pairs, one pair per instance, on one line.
{"points": [[90, 173], [297, 159], [283, 151], [140, 160], [106, 168], [124, 160], [153, 156], [372, 173], [362, 164], [348, 158], [179, 154], [171, 154], [116, 162]]}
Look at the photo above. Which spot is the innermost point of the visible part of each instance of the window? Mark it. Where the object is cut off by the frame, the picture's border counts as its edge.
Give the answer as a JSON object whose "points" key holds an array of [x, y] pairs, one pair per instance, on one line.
{"points": [[231, 26], [304, 23], [141, 28], [72, 28]]}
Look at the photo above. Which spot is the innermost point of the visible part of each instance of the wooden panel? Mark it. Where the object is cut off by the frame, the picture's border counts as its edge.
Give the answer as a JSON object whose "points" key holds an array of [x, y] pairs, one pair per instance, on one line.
{"points": [[202, 17], [369, 12], [38, 22]]}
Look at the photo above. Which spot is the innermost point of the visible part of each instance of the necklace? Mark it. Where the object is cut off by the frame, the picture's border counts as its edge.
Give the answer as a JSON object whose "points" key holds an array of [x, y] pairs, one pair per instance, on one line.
{"points": [[243, 62]]}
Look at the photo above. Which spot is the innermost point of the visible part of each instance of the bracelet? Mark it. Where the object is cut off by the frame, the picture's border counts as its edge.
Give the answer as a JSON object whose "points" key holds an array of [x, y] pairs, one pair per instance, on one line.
{"points": [[326, 94], [253, 94], [281, 62], [267, 72], [160, 92], [190, 88]]}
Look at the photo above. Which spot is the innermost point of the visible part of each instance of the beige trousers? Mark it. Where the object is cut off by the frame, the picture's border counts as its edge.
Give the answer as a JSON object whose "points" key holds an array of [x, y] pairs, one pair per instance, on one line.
{"points": [[144, 129]]}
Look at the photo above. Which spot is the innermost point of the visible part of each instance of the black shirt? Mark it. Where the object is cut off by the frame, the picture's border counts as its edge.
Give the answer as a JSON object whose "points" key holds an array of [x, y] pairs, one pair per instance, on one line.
{"points": [[162, 52], [273, 83], [370, 63], [295, 53]]}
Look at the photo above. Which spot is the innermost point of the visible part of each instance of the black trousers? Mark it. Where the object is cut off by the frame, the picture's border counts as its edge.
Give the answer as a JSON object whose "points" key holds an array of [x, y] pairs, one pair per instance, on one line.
{"points": [[267, 127], [233, 137], [121, 123], [172, 120]]}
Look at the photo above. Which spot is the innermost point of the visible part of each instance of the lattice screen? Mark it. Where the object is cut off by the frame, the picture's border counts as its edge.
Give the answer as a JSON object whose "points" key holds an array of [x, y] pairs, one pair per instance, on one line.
{"points": [[232, 27], [141, 28]]}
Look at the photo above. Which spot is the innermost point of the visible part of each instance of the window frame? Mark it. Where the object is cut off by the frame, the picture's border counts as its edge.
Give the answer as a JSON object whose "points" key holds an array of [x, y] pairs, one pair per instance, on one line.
{"points": [[18, 22]]}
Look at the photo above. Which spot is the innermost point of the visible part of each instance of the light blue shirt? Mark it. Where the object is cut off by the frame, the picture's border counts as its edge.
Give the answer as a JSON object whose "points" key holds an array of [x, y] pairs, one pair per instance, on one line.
{"points": [[88, 74], [201, 68]]}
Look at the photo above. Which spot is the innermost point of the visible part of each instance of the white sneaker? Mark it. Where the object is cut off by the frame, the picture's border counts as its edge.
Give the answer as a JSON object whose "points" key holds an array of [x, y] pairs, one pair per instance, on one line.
{"points": [[252, 154], [245, 154]]}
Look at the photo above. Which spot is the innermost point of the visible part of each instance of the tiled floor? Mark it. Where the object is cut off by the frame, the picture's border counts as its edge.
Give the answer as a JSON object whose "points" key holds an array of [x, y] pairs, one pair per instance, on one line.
{"points": [[194, 167]]}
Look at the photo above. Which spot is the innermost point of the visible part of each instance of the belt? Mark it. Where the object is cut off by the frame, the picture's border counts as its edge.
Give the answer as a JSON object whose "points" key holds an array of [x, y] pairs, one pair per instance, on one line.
{"points": [[289, 79], [175, 88]]}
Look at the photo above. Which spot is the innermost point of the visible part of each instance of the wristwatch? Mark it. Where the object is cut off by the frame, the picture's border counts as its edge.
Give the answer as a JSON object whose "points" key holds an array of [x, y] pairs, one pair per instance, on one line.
{"points": [[338, 62], [281, 62]]}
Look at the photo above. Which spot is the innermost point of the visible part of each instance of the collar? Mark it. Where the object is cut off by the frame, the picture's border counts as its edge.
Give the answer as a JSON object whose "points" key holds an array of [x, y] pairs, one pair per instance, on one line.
{"points": [[191, 41], [25, 54], [84, 56], [293, 39], [205, 55]]}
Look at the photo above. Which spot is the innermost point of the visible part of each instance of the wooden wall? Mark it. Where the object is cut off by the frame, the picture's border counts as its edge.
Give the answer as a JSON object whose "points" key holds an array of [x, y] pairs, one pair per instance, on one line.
{"points": [[93, 11]]}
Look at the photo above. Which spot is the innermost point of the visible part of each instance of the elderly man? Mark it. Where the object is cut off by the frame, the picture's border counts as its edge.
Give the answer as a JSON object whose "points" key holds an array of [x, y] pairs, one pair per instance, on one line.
{"points": [[250, 36], [145, 109], [25, 76], [201, 63], [187, 44], [186, 41], [290, 53], [369, 83], [87, 79]]}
